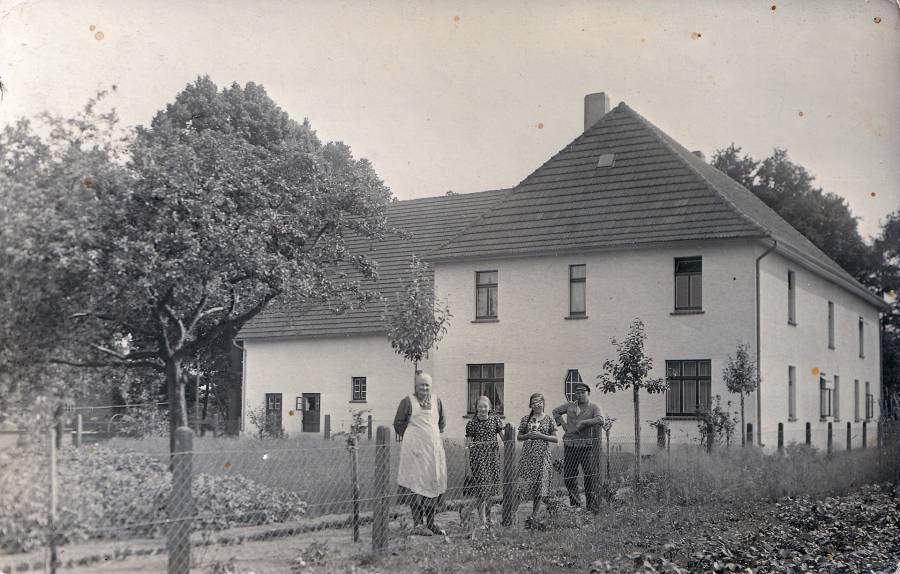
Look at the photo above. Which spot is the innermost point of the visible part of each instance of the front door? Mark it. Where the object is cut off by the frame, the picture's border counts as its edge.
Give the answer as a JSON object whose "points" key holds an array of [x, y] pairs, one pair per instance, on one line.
{"points": [[312, 412]]}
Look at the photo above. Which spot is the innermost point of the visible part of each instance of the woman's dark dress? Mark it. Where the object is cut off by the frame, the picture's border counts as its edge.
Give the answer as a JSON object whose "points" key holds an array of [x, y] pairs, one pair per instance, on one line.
{"points": [[483, 454]]}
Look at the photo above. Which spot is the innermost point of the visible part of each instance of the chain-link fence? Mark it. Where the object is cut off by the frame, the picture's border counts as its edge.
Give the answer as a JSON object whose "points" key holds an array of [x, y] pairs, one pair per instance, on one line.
{"points": [[65, 506]]}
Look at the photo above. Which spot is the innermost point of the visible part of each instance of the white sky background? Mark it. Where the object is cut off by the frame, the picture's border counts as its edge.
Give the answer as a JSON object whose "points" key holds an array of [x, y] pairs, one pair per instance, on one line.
{"points": [[450, 95]]}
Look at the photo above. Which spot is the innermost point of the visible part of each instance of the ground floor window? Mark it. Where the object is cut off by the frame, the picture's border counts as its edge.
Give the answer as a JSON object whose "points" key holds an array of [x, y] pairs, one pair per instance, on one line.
{"points": [[358, 392], [689, 387], [486, 380], [572, 377], [825, 397], [273, 414], [870, 403]]}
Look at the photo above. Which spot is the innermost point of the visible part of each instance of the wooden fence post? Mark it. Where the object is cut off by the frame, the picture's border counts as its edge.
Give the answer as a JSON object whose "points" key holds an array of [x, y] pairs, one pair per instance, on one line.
{"points": [[750, 434], [79, 430], [660, 436], [710, 436], [327, 427], [369, 428], [596, 451], [808, 434], [864, 434], [849, 437], [382, 475], [510, 500], [53, 555], [60, 432], [780, 436], [181, 503], [354, 481], [830, 442]]}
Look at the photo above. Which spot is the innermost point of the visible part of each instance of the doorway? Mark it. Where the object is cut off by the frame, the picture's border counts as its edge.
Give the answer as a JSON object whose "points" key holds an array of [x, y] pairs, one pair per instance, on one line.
{"points": [[312, 412]]}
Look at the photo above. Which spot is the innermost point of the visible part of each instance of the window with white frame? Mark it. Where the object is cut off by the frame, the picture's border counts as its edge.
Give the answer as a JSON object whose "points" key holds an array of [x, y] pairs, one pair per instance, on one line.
{"points": [[358, 389], [792, 393], [689, 384], [870, 403], [836, 399], [831, 325], [792, 298], [572, 377], [577, 290], [485, 380], [486, 294], [862, 332], [689, 284], [825, 397]]}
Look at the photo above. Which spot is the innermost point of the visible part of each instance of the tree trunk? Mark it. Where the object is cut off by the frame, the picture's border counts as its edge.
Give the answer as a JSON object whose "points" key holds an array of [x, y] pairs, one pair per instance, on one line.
{"points": [[743, 426], [637, 433], [177, 401]]}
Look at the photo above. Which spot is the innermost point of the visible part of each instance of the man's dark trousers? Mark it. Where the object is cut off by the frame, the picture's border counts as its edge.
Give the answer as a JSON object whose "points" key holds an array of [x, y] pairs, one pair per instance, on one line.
{"points": [[575, 456]]}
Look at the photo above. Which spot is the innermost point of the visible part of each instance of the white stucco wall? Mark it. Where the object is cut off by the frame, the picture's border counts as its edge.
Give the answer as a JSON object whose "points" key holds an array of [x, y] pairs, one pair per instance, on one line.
{"points": [[805, 346], [326, 366], [538, 345]]}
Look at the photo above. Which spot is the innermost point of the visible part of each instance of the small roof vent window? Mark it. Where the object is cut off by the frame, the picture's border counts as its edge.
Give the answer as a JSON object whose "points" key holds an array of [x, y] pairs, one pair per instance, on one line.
{"points": [[606, 160]]}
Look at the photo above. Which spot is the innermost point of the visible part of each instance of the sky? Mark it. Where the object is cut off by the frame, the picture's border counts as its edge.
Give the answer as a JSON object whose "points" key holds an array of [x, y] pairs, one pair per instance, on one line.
{"points": [[469, 96]]}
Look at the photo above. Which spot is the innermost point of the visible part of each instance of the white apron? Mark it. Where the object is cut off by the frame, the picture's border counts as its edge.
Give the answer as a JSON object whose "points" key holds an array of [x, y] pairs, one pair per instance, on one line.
{"points": [[423, 464]]}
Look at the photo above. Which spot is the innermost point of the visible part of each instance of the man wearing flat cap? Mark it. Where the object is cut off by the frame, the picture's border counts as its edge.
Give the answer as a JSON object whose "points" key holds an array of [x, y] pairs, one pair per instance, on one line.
{"points": [[580, 416]]}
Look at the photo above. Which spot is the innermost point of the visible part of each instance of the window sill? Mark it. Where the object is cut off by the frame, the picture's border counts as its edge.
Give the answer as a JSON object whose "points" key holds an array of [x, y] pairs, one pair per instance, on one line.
{"points": [[792, 323], [358, 402], [486, 321], [689, 417], [830, 347], [575, 317], [792, 419], [687, 312], [502, 417]]}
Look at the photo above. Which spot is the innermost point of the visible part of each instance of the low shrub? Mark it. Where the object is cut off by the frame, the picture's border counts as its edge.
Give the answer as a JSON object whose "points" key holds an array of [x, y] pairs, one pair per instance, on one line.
{"points": [[109, 493]]}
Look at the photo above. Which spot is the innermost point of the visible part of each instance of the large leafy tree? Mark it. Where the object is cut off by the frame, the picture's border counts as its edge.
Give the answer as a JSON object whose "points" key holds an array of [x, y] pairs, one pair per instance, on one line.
{"points": [[788, 188], [631, 370], [220, 206]]}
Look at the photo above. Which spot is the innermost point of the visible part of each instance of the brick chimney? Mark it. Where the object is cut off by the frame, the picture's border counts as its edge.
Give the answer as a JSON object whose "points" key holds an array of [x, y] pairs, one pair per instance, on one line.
{"points": [[595, 107]]}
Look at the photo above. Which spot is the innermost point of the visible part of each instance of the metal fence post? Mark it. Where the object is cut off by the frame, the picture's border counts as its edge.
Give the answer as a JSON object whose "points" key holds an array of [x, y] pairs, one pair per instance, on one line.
{"points": [[181, 503], [830, 440], [79, 430], [597, 442], [382, 474], [808, 433], [780, 436], [369, 428], [354, 481], [510, 502], [53, 558], [60, 431], [849, 437], [864, 434], [327, 427]]}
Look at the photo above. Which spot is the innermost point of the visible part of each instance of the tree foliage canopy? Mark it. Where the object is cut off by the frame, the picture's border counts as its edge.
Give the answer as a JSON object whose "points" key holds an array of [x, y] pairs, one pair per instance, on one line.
{"points": [[149, 249]]}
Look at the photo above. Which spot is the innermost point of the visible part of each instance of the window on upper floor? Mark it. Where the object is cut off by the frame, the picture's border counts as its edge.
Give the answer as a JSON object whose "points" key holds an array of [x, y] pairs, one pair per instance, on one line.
{"points": [[572, 377], [689, 284], [792, 393], [825, 397], [358, 389], [792, 298], [486, 294], [831, 325], [485, 380], [689, 387], [577, 290], [862, 338]]}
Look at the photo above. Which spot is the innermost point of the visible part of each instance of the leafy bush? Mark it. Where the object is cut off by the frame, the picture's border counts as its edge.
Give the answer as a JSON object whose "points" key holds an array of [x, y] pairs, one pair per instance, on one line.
{"points": [[106, 493]]}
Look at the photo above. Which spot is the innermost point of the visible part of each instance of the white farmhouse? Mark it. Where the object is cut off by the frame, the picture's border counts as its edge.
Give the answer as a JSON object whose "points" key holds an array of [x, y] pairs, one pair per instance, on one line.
{"points": [[624, 222]]}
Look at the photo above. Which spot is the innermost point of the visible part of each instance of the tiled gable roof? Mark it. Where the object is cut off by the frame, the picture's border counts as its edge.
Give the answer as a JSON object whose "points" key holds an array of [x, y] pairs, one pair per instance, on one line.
{"points": [[429, 222], [655, 191]]}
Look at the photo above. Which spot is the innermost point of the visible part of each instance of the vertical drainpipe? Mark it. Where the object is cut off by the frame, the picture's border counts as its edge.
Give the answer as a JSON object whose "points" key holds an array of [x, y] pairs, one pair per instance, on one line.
{"points": [[758, 351]]}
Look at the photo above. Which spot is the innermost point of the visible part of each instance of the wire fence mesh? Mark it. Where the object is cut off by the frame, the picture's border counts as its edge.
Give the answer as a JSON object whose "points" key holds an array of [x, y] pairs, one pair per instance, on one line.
{"points": [[126, 496]]}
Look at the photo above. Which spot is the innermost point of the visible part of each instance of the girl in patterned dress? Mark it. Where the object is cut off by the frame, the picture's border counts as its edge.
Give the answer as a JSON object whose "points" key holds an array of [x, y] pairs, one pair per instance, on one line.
{"points": [[481, 440], [538, 430]]}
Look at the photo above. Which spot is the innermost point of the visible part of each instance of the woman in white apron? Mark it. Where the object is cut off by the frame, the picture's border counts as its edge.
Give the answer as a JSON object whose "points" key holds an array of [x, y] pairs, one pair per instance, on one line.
{"points": [[422, 475]]}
